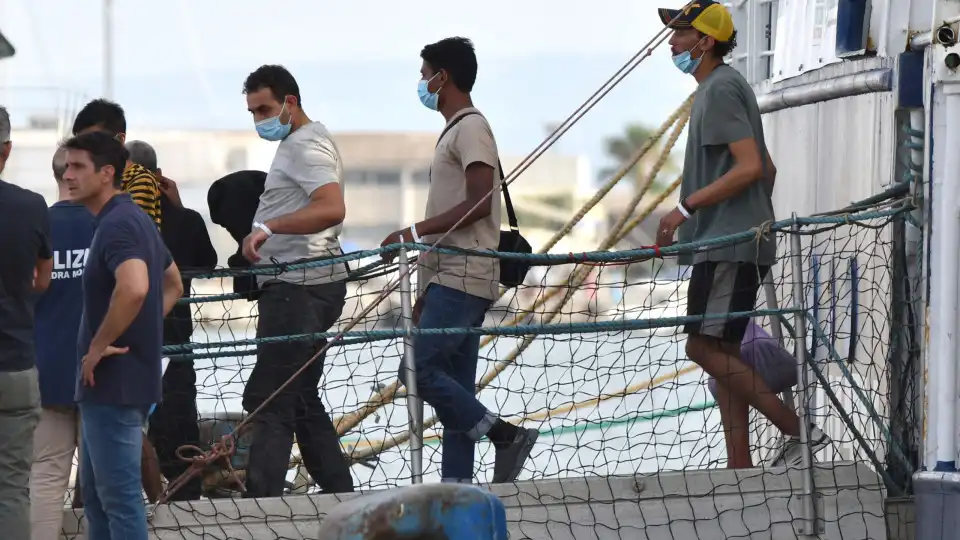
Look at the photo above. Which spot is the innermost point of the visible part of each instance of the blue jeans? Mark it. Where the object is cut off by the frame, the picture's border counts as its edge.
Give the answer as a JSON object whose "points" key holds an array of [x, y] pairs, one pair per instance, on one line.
{"points": [[446, 367], [110, 471]]}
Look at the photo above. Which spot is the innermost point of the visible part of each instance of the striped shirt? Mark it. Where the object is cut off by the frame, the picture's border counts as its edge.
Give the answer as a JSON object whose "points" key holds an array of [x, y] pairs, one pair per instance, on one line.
{"points": [[144, 189]]}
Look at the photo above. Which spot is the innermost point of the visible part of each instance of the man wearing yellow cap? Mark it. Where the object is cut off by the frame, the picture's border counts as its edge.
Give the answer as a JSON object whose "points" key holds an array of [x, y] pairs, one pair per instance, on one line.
{"points": [[727, 187]]}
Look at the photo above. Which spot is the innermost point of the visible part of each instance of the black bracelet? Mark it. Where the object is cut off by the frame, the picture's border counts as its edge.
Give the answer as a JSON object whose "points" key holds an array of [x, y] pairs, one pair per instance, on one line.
{"points": [[686, 207]]}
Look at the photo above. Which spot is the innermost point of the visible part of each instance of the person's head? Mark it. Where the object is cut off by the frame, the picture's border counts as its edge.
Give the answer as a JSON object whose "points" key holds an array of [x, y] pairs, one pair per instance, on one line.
{"points": [[704, 30], [59, 165], [144, 155], [59, 162], [101, 115], [273, 98], [5, 144], [449, 68], [94, 167]]}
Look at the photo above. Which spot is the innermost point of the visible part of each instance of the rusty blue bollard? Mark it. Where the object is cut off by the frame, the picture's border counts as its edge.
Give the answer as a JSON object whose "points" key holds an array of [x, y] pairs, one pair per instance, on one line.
{"points": [[420, 512]]}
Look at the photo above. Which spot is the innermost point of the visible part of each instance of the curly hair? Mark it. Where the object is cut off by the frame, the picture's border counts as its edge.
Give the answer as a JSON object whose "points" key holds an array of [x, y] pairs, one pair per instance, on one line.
{"points": [[723, 48]]}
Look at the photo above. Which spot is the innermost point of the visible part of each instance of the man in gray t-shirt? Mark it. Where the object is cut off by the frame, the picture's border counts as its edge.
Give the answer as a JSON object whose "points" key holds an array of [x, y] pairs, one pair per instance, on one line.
{"points": [[299, 217], [727, 187]]}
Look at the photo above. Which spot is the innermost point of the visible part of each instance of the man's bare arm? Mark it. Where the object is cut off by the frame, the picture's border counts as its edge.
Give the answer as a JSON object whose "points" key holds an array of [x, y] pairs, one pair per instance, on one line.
{"points": [[326, 209], [129, 294], [41, 275], [771, 170], [747, 169], [172, 288]]}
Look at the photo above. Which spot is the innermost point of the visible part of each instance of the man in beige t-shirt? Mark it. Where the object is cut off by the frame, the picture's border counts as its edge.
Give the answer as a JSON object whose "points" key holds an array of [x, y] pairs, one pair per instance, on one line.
{"points": [[456, 290]]}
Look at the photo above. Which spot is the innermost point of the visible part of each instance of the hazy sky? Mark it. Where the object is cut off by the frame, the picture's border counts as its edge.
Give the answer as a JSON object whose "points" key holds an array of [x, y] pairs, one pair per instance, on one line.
{"points": [[181, 63]]}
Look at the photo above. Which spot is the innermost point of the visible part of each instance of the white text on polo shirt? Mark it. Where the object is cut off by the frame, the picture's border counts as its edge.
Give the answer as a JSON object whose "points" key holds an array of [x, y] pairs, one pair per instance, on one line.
{"points": [[69, 263]]}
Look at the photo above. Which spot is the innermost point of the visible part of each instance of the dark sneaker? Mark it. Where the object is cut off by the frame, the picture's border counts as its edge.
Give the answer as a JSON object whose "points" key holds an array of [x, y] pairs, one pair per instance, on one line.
{"points": [[791, 454], [510, 459]]}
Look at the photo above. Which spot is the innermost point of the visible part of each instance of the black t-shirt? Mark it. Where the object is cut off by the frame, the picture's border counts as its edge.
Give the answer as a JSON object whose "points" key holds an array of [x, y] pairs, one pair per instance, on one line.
{"points": [[24, 239], [185, 234]]}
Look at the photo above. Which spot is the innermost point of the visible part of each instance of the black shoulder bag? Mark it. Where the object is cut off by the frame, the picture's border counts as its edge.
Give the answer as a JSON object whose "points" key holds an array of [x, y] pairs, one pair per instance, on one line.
{"points": [[512, 271]]}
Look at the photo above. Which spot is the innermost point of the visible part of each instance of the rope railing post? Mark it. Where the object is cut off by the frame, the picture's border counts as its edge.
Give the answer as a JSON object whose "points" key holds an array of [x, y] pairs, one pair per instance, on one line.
{"points": [[414, 403], [808, 518]]}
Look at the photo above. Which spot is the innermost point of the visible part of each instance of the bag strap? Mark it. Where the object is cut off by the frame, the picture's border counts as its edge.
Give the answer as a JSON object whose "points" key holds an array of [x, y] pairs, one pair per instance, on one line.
{"points": [[511, 215]]}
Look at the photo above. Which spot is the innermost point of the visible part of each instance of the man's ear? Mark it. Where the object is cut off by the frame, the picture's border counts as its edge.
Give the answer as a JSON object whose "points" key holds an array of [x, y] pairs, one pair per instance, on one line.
{"points": [[708, 43], [108, 171], [5, 151], [122, 137]]}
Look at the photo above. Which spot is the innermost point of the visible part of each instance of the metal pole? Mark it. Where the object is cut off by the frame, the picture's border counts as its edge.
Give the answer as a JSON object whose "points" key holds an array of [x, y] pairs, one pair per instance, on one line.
{"points": [[947, 313], [414, 403], [108, 49], [808, 517]]}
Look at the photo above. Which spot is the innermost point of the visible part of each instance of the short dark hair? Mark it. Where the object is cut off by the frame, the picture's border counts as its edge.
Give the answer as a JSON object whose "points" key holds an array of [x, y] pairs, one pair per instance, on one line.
{"points": [[723, 48], [101, 113], [455, 55], [103, 150], [277, 78]]}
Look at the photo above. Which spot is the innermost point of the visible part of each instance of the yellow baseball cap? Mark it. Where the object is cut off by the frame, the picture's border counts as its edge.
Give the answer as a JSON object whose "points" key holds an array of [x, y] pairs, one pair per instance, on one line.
{"points": [[710, 18]]}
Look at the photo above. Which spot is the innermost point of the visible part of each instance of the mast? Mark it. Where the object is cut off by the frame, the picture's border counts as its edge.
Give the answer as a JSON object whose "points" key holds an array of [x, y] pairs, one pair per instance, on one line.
{"points": [[108, 49]]}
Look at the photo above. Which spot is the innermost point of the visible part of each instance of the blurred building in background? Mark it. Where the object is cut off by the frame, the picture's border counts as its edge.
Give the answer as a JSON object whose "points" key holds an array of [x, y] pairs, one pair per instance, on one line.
{"points": [[386, 175]]}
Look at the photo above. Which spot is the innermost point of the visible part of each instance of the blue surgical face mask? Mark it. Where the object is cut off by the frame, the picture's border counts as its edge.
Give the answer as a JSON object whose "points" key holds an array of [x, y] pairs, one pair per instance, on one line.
{"points": [[685, 62], [271, 129], [430, 101]]}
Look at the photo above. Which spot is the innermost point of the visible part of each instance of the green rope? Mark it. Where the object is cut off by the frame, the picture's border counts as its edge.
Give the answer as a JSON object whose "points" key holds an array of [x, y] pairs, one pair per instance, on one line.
{"points": [[545, 259], [360, 336]]}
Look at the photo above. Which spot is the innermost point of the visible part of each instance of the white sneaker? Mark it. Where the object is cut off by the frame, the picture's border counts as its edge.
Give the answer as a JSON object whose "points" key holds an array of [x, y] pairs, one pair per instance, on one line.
{"points": [[791, 453], [151, 510]]}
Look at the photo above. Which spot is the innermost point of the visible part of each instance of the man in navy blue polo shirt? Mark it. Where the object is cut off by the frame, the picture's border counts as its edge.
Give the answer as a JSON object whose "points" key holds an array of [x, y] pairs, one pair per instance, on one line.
{"points": [[129, 284]]}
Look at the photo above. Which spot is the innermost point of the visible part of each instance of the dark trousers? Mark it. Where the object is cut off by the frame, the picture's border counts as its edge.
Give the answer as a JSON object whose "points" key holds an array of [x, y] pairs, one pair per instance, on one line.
{"points": [[174, 423], [287, 309]]}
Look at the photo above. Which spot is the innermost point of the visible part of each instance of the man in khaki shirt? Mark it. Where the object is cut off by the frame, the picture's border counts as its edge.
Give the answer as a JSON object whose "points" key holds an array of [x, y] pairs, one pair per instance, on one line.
{"points": [[457, 290]]}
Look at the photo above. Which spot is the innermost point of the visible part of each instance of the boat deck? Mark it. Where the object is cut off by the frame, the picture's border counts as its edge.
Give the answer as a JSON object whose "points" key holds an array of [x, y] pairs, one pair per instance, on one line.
{"points": [[703, 504]]}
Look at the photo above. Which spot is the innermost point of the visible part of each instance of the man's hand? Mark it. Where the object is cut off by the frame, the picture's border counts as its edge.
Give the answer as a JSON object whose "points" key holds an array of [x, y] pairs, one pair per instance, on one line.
{"points": [[668, 226], [396, 237], [92, 358], [252, 244], [417, 309], [169, 188]]}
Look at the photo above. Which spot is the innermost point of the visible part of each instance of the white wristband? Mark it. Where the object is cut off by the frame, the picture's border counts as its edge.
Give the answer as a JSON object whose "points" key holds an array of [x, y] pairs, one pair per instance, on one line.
{"points": [[263, 228], [683, 211], [413, 233]]}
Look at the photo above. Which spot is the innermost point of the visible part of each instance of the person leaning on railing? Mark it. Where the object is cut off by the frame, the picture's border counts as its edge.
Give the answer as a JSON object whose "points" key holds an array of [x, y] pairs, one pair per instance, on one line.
{"points": [[727, 187]]}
